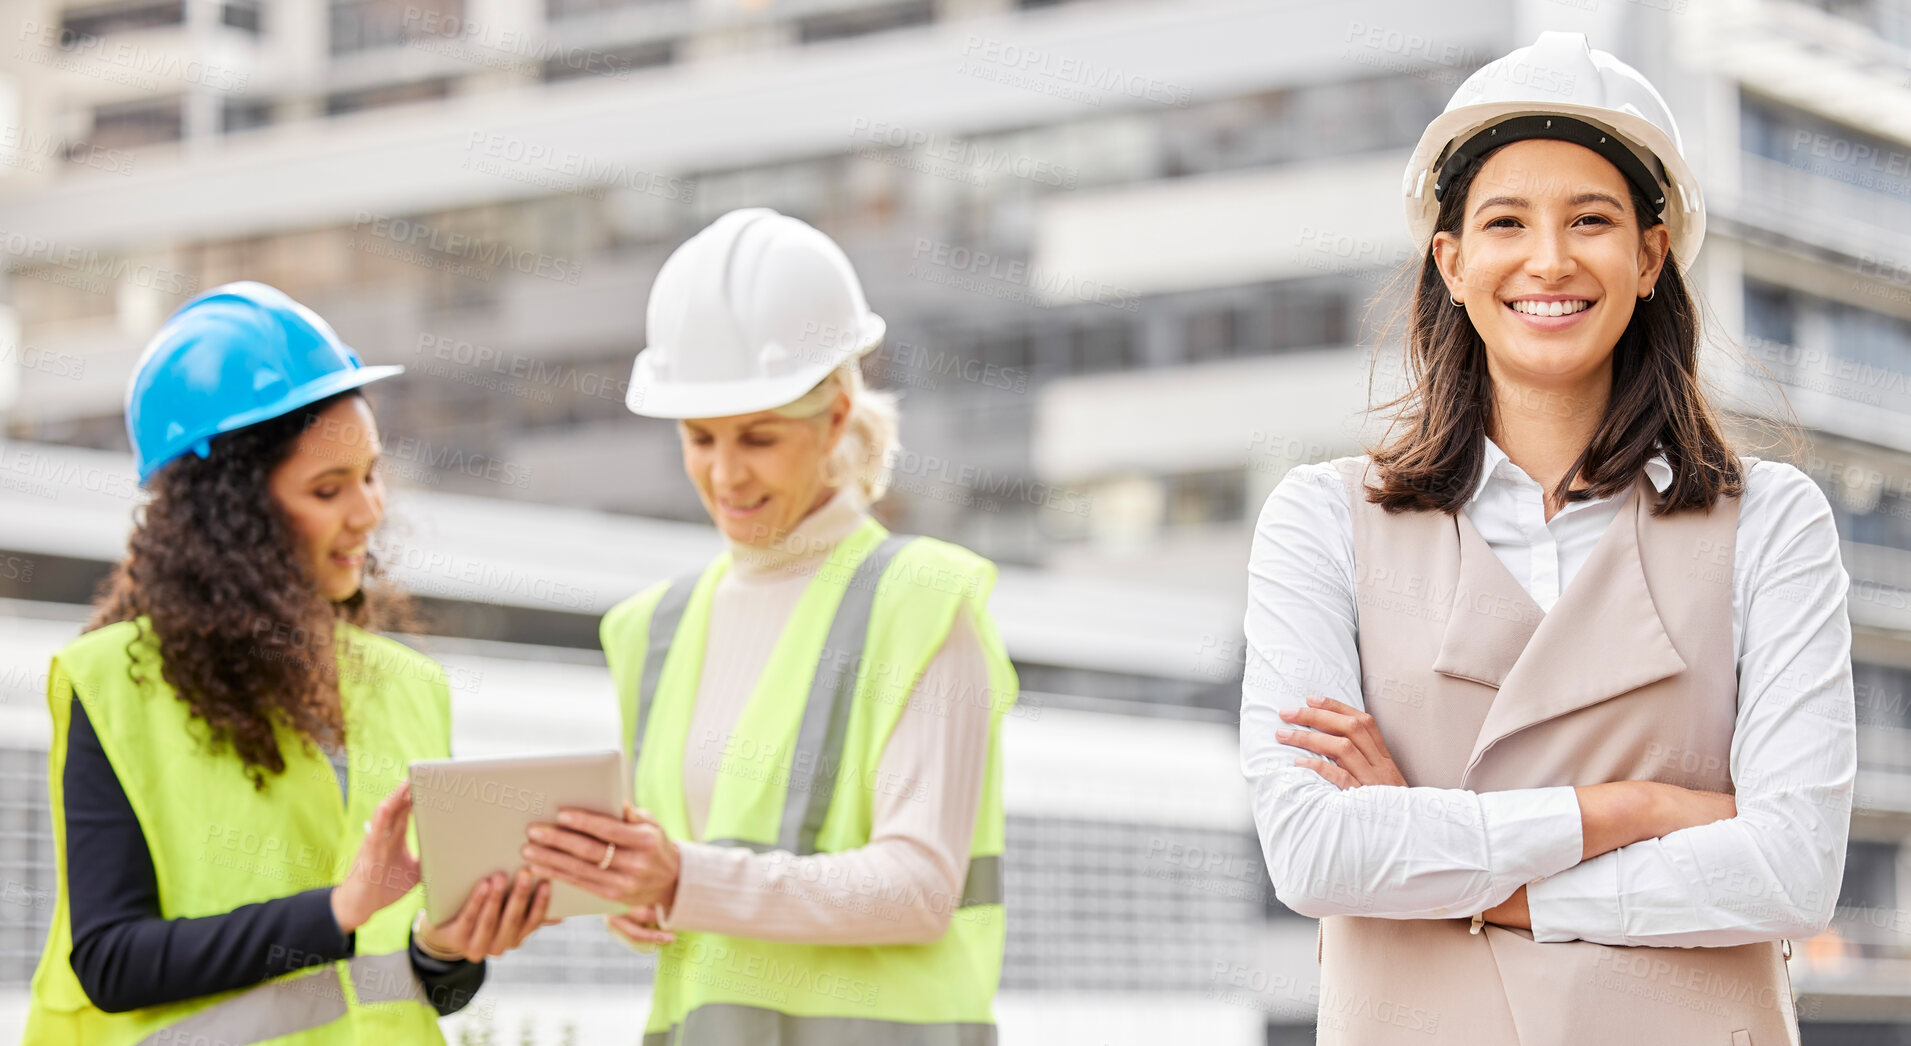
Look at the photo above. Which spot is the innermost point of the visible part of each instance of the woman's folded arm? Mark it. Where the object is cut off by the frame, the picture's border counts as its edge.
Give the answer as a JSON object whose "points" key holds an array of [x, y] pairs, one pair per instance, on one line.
{"points": [[1376, 850], [1773, 870]]}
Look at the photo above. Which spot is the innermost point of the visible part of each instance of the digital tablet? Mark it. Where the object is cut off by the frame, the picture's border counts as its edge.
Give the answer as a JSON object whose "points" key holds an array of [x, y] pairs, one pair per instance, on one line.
{"points": [[472, 814]]}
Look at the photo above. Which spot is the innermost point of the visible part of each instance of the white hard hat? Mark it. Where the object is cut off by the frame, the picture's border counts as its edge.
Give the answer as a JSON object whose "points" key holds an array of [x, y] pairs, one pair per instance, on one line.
{"points": [[1559, 87], [747, 315]]}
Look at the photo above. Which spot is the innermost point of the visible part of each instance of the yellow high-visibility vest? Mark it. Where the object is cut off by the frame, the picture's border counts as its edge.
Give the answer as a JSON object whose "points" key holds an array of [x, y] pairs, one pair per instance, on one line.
{"points": [[218, 843], [799, 774]]}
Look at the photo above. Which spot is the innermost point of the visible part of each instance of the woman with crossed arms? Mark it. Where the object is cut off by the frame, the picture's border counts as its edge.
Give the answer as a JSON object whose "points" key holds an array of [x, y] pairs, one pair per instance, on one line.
{"points": [[1548, 703]]}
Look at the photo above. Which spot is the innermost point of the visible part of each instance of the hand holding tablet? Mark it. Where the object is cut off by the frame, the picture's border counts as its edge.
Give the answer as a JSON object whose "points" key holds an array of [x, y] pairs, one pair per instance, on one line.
{"points": [[627, 860], [498, 915], [495, 917]]}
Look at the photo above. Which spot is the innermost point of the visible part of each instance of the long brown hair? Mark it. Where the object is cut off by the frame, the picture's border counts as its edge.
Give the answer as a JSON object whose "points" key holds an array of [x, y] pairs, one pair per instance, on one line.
{"points": [[1657, 404], [244, 634]]}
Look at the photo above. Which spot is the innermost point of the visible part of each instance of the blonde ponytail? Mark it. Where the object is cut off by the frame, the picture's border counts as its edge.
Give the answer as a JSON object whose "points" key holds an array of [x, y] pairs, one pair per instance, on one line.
{"points": [[871, 437]]}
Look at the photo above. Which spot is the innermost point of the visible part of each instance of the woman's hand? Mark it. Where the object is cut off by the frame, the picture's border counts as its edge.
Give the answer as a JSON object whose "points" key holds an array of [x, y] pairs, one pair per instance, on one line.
{"points": [[639, 927], [1620, 813], [385, 868], [642, 865], [1510, 912], [1348, 739], [493, 919]]}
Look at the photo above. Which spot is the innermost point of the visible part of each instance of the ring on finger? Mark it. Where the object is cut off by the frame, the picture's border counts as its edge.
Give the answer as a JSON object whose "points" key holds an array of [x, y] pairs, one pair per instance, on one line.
{"points": [[610, 851]]}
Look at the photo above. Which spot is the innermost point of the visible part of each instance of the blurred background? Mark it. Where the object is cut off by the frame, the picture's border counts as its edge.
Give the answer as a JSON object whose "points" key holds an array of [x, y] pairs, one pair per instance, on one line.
{"points": [[1131, 254]]}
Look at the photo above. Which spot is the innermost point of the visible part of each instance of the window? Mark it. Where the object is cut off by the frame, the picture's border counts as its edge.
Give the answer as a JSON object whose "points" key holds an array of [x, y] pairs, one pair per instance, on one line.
{"points": [[101, 19], [1882, 517], [1008, 350], [1867, 337], [1212, 334], [129, 125], [1206, 497], [1871, 875], [1307, 316], [1881, 694], [1770, 313], [1303, 122], [242, 15], [1843, 350], [556, 10], [1068, 341], [244, 114], [1101, 346], [863, 21], [1832, 150], [361, 25], [1889, 524], [378, 97], [1280, 317], [577, 63]]}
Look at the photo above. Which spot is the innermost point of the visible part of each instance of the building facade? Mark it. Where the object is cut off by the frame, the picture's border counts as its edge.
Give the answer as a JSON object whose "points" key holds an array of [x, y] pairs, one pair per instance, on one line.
{"points": [[1138, 259]]}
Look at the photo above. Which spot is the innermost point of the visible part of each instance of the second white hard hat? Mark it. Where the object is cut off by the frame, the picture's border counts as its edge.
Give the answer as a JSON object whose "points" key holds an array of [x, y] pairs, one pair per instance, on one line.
{"points": [[1606, 105], [747, 315]]}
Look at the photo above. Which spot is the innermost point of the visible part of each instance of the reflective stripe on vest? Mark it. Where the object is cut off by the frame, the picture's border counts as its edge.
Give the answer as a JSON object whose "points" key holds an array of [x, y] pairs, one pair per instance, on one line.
{"points": [[825, 714], [286, 1007], [735, 1023], [663, 629]]}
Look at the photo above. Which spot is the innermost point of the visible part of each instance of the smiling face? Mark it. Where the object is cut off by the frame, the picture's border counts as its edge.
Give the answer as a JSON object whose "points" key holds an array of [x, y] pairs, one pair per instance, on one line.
{"points": [[1550, 259], [329, 490], [759, 474]]}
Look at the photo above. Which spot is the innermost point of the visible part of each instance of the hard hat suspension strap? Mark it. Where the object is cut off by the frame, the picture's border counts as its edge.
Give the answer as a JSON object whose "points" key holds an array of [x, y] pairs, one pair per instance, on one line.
{"points": [[1562, 128]]}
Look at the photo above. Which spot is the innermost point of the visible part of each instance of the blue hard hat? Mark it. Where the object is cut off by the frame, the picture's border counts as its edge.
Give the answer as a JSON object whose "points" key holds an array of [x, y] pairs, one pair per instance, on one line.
{"points": [[234, 356]]}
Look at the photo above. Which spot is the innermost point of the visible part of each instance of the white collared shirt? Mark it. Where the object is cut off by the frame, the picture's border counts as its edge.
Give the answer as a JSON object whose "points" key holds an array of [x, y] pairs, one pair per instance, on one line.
{"points": [[1772, 871]]}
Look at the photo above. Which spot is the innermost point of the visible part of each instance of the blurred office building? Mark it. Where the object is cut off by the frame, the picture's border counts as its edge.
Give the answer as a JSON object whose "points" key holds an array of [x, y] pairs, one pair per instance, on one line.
{"points": [[1136, 258]]}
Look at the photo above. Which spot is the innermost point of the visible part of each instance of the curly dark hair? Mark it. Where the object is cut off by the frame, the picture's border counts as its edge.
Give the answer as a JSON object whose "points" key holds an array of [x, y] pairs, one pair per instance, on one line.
{"points": [[244, 634]]}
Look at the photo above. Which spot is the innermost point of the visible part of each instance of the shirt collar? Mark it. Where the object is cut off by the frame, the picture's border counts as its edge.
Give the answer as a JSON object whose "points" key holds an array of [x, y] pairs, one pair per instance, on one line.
{"points": [[1657, 469]]}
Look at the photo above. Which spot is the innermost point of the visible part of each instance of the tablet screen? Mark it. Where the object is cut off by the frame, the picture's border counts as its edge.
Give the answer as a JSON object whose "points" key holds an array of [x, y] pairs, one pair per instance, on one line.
{"points": [[472, 815]]}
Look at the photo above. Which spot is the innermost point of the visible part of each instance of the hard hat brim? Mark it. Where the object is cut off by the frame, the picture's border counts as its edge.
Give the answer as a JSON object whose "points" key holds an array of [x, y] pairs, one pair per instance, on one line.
{"points": [[722, 399], [300, 396], [1684, 213]]}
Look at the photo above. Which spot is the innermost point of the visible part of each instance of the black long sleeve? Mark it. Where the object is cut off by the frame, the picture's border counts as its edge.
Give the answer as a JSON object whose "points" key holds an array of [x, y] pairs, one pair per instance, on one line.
{"points": [[126, 955]]}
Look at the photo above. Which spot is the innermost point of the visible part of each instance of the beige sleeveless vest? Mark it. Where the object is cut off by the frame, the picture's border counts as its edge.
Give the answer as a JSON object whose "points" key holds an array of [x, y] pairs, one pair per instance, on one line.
{"points": [[1631, 676]]}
